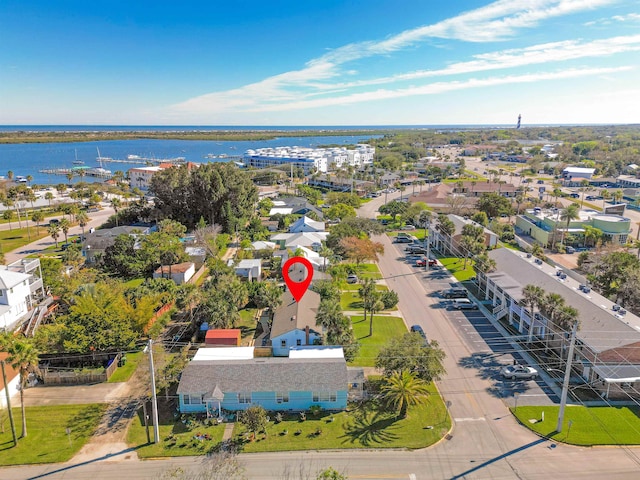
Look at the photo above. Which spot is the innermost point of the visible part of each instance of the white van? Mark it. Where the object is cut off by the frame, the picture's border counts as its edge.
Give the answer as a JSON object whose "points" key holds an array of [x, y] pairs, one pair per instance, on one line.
{"points": [[463, 304]]}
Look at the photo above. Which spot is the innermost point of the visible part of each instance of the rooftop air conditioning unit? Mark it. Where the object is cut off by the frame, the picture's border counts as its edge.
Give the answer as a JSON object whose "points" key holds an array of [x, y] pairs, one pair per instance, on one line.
{"points": [[616, 307], [622, 311], [559, 273], [538, 261], [563, 276], [586, 289], [529, 255]]}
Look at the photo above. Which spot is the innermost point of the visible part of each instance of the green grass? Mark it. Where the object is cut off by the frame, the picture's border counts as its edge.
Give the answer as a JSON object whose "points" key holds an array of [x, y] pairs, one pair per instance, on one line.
{"points": [[367, 270], [363, 427], [47, 440], [176, 438], [247, 324], [350, 299], [385, 327], [18, 237], [590, 425], [123, 373], [456, 266]]}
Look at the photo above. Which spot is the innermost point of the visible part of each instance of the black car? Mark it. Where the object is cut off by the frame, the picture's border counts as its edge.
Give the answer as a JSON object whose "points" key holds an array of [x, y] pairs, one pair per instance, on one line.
{"points": [[418, 329]]}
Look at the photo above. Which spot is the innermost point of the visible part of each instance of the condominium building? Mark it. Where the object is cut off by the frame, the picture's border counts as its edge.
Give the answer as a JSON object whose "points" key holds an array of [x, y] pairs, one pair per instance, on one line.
{"points": [[310, 160]]}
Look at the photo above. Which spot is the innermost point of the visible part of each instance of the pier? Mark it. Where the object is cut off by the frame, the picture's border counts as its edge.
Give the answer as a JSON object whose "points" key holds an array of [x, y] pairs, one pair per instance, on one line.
{"points": [[88, 172]]}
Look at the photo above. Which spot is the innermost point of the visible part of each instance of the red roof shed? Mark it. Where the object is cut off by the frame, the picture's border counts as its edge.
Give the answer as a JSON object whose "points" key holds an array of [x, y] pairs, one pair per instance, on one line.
{"points": [[224, 337]]}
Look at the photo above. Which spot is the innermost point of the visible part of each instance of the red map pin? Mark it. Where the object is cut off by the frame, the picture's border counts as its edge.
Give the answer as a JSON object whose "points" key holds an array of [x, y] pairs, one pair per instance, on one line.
{"points": [[299, 284]]}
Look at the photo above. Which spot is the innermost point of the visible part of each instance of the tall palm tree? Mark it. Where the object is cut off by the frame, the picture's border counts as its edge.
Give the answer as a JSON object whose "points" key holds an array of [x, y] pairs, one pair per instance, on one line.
{"points": [[367, 291], [65, 225], [115, 203], [568, 214], [23, 356], [37, 217], [402, 390], [54, 231], [49, 196], [550, 305], [83, 220], [606, 196], [531, 296], [617, 195]]}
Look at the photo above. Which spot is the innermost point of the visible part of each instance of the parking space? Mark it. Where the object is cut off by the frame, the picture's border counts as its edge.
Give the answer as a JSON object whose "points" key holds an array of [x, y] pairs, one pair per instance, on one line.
{"points": [[489, 349]]}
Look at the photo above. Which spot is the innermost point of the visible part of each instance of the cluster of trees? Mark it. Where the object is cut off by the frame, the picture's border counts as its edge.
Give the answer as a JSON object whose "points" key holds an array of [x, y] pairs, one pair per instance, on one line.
{"points": [[133, 257], [103, 315], [615, 274], [337, 326], [552, 306], [219, 193]]}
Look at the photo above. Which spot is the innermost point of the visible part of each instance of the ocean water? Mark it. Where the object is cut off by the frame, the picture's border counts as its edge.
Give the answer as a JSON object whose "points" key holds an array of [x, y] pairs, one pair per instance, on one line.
{"points": [[29, 159]]}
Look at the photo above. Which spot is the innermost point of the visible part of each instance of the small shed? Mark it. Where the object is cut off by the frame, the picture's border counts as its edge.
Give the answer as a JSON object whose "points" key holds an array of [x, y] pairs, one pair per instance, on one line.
{"points": [[223, 337]]}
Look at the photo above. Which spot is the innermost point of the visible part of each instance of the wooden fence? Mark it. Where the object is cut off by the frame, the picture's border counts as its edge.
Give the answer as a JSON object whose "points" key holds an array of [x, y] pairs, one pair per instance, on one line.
{"points": [[56, 376], [164, 309]]}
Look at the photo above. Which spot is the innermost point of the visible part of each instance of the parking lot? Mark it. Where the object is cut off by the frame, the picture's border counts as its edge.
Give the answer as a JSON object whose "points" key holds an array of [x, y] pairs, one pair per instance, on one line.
{"points": [[488, 347]]}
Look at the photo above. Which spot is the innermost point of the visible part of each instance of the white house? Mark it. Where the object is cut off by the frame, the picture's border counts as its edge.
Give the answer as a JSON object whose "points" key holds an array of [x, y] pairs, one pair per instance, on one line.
{"points": [[305, 239], [251, 269], [180, 273], [15, 297], [306, 224]]}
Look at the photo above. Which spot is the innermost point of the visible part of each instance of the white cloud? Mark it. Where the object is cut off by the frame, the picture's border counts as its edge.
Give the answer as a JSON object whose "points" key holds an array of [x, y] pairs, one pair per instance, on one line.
{"points": [[498, 20]]}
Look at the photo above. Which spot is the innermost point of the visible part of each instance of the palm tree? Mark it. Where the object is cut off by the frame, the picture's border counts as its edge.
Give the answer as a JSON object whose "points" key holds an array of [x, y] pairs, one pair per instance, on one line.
{"points": [[584, 186], [532, 296], [29, 179], [49, 196], [568, 214], [8, 215], [65, 225], [23, 356], [376, 306], [606, 195], [367, 291], [54, 231], [402, 390], [617, 195], [550, 305], [83, 220], [115, 203], [69, 176], [37, 217]]}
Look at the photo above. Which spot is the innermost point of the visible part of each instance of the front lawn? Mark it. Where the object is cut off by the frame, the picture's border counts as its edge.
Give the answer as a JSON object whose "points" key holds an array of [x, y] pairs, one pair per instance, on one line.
{"points": [[247, 324], [366, 426], [385, 327], [47, 440], [589, 425], [351, 300], [456, 266], [179, 435], [19, 237], [366, 270]]}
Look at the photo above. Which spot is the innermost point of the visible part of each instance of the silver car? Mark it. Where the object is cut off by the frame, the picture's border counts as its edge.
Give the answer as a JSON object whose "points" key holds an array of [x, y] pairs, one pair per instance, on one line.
{"points": [[519, 371]]}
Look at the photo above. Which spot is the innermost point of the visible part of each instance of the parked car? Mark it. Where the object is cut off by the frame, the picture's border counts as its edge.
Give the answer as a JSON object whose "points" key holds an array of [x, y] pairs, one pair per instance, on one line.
{"points": [[455, 293], [518, 371], [408, 227], [415, 249], [418, 329], [403, 240], [540, 182], [352, 278], [421, 261], [570, 249], [463, 304]]}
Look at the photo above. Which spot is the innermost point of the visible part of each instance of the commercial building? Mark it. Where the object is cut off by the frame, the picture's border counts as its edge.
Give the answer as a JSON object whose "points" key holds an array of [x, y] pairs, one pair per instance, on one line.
{"points": [[547, 227], [607, 353]]}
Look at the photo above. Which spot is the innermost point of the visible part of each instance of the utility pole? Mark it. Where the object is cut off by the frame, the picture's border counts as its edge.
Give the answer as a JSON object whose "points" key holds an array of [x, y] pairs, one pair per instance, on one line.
{"points": [[154, 399], [6, 391], [567, 376]]}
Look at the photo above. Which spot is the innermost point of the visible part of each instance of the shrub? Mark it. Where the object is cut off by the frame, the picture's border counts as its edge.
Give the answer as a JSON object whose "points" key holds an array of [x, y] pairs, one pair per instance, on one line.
{"points": [[389, 299], [315, 410]]}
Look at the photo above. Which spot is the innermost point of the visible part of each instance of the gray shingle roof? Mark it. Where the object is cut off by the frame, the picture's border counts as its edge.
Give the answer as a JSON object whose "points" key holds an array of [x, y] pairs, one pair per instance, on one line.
{"points": [[265, 375], [600, 329]]}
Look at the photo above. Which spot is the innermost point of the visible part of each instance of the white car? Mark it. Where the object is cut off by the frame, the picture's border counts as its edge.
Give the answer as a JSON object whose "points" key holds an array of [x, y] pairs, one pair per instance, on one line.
{"points": [[519, 371]]}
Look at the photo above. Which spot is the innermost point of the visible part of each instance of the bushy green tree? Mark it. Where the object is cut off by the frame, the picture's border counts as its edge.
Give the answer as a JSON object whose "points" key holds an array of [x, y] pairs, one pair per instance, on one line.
{"points": [[410, 353]]}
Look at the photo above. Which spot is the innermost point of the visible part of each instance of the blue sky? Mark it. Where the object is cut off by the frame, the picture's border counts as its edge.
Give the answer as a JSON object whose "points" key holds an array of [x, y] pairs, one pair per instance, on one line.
{"points": [[319, 62]]}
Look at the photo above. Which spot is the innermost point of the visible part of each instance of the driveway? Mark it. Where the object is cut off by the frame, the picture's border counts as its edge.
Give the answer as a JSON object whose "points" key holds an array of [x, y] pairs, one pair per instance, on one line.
{"points": [[75, 394]]}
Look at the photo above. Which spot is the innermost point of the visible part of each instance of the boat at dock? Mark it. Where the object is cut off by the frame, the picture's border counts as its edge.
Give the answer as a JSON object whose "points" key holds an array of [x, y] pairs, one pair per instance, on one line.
{"points": [[145, 160]]}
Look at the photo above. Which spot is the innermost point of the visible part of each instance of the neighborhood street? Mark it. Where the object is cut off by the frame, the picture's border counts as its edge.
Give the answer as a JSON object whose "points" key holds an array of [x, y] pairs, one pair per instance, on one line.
{"points": [[485, 441]]}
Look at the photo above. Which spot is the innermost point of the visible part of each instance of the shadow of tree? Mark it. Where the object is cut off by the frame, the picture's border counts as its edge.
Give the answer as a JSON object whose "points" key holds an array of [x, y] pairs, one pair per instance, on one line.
{"points": [[85, 419], [488, 366], [369, 426]]}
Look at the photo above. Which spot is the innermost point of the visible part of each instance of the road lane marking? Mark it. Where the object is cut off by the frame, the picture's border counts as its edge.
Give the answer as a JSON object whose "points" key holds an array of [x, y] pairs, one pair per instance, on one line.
{"points": [[470, 419]]}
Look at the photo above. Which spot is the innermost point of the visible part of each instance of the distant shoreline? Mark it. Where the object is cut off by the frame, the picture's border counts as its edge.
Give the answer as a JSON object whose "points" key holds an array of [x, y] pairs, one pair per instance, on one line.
{"points": [[62, 136]]}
